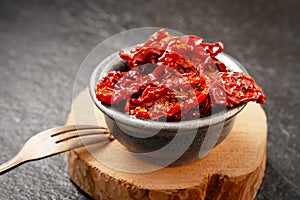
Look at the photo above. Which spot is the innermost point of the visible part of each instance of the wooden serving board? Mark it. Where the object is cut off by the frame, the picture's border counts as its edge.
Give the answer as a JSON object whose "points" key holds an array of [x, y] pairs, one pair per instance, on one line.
{"points": [[232, 170]]}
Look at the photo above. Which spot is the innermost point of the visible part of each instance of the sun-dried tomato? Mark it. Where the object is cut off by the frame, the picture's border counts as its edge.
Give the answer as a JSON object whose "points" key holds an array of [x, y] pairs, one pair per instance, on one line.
{"points": [[176, 78], [106, 87], [233, 88], [149, 52], [168, 97]]}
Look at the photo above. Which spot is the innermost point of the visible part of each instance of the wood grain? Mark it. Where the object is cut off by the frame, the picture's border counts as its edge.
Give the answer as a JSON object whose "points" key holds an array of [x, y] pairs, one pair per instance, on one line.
{"points": [[232, 170]]}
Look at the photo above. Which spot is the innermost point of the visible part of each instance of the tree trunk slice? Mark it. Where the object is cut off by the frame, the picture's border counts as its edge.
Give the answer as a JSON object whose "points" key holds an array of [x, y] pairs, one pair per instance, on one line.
{"points": [[232, 170]]}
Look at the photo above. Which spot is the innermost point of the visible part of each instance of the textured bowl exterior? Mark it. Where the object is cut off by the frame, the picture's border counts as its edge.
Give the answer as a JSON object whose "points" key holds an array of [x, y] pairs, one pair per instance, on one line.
{"points": [[164, 137], [143, 136]]}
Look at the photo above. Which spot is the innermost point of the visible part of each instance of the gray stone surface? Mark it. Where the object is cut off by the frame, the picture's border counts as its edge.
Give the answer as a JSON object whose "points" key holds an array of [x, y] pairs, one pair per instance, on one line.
{"points": [[42, 44]]}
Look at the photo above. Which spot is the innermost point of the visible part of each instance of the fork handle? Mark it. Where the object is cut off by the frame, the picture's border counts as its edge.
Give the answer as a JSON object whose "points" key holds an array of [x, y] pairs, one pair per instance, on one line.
{"points": [[11, 164]]}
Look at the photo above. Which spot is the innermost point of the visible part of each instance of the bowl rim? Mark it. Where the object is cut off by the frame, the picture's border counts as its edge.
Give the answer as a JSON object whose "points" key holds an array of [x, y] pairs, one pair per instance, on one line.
{"points": [[126, 119]]}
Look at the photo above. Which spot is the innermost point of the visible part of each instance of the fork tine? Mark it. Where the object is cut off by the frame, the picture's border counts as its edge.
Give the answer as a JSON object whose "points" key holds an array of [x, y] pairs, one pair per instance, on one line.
{"points": [[63, 129], [76, 142], [78, 133]]}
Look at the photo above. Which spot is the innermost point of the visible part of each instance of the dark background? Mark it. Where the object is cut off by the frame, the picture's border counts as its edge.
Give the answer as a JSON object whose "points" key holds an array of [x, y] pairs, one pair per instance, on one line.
{"points": [[42, 44]]}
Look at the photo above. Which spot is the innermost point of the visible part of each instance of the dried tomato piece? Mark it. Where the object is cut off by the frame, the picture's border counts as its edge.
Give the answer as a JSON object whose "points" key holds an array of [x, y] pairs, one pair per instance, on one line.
{"points": [[186, 55], [175, 96], [118, 86], [194, 98], [154, 100], [213, 49], [106, 87], [149, 52], [203, 110], [233, 88]]}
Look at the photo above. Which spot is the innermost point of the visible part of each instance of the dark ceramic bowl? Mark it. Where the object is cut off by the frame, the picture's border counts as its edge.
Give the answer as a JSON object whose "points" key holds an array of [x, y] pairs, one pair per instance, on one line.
{"points": [[166, 143]]}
